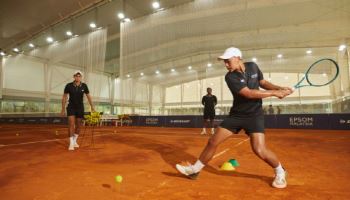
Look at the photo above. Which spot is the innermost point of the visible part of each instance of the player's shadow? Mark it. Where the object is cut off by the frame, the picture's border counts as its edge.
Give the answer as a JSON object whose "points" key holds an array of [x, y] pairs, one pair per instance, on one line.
{"points": [[172, 154], [212, 170]]}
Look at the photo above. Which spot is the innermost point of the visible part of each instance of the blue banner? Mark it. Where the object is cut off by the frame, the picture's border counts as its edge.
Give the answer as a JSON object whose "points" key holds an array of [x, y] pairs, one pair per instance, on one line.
{"points": [[300, 121], [339, 122], [181, 121], [288, 121]]}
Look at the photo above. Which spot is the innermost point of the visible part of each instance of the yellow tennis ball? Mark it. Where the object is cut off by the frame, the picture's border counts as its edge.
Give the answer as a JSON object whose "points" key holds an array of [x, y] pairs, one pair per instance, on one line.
{"points": [[118, 179]]}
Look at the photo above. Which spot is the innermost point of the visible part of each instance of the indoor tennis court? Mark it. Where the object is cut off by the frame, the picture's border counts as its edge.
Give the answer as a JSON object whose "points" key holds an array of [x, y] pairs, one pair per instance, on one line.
{"points": [[105, 99], [36, 165]]}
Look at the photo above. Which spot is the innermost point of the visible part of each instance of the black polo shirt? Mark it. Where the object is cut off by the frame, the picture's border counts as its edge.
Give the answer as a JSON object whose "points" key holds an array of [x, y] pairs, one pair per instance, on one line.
{"points": [[209, 102], [236, 81], [76, 94]]}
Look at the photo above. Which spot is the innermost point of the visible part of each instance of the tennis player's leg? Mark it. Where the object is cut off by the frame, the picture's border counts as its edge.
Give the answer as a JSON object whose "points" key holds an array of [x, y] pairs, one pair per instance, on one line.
{"points": [[207, 154], [255, 129], [71, 130], [257, 141], [205, 123], [79, 115], [78, 123], [211, 122]]}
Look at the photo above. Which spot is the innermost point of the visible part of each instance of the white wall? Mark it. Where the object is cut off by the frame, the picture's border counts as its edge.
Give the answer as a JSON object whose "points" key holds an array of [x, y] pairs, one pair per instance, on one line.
{"points": [[99, 85], [21, 73], [60, 76]]}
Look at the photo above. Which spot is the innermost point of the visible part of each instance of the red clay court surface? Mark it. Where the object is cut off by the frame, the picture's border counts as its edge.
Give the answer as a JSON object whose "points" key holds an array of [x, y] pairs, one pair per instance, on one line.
{"points": [[37, 165]]}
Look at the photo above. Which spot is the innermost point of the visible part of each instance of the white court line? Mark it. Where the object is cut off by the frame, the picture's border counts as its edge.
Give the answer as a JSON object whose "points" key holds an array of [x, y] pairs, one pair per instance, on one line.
{"points": [[164, 135], [227, 149], [43, 141], [138, 134]]}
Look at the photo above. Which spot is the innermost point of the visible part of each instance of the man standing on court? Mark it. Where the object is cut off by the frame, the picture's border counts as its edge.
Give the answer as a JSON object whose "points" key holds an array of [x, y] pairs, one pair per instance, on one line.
{"points": [[75, 108], [209, 102]]}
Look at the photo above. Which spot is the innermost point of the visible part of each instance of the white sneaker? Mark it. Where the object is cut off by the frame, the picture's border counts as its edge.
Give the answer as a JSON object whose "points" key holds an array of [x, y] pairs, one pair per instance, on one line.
{"points": [[71, 143], [187, 171], [75, 138], [71, 147], [76, 145], [280, 180], [203, 133], [212, 132]]}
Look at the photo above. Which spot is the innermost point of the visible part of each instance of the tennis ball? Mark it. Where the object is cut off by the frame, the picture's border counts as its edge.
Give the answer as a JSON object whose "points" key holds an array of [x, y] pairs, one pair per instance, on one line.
{"points": [[118, 179]]}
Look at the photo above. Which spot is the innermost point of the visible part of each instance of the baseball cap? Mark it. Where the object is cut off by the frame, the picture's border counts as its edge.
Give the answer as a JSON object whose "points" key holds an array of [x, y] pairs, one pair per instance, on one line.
{"points": [[78, 72], [230, 52]]}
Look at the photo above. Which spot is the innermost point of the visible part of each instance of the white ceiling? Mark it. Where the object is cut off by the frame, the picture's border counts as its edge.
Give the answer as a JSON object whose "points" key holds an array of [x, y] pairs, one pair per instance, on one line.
{"points": [[196, 33], [261, 28], [24, 21]]}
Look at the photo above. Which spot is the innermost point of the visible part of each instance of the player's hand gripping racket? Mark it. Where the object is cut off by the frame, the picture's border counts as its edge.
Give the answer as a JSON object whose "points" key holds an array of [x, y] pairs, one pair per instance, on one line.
{"points": [[320, 73]]}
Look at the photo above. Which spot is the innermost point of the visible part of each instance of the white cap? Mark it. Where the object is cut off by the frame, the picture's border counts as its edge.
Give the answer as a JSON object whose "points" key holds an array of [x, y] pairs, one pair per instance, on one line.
{"points": [[78, 72], [231, 52]]}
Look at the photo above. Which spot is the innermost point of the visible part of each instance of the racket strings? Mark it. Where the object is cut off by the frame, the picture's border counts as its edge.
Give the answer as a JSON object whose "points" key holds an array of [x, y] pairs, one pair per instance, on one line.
{"points": [[322, 73]]}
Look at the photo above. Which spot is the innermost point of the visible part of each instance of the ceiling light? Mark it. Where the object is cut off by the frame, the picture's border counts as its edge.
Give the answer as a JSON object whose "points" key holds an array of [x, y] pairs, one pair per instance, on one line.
{"points": [[31, 45], [157, 72], [127, 20], [254, 59], [121, 15], [172, 70], [15, 49], [141, 73], [279, 56], [190, 67], [324, 74], [155, 5], [2, 53], [342, 47], [69, 33], [92, 25], [309, 51], [49, 39], [128, 75], [209, 65]]}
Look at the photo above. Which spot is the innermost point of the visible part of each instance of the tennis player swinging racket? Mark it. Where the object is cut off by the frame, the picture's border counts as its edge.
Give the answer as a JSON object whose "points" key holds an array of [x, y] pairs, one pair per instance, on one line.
{"points": [[243, 80]]}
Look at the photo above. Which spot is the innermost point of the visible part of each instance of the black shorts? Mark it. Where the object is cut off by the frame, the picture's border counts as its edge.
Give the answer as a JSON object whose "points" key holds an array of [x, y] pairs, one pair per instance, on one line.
{"points": [[250, 124], [209, 114], [78, 112]]}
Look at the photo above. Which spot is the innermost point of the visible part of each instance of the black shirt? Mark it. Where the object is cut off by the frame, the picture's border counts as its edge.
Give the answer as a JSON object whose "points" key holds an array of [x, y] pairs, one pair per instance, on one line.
{"points": [[209, 102], [76, 94], [236, 81]]}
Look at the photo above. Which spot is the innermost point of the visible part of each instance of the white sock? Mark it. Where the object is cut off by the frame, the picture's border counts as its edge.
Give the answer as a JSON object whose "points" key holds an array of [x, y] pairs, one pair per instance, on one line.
{"points": [[71, 140], [212, 129], [198, 166], [75, 137], [279, 169], [204, 130]]}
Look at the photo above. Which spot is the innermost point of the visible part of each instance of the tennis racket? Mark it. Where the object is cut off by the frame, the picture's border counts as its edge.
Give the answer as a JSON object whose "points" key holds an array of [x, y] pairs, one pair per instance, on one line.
{"points": [[320, 73]]}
